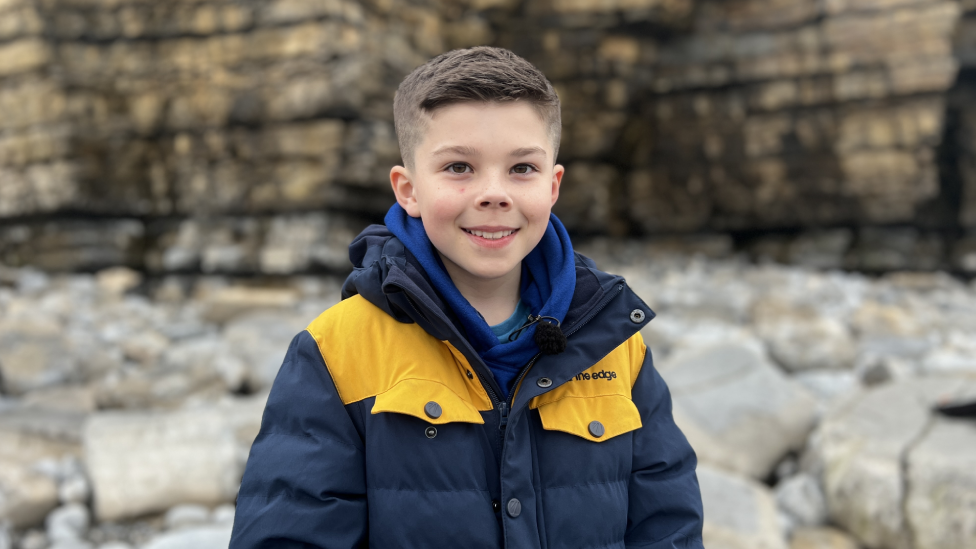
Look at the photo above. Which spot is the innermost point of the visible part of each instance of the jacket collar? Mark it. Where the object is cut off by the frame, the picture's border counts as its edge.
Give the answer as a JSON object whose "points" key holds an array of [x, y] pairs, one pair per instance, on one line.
{"points": [[388, 276]]}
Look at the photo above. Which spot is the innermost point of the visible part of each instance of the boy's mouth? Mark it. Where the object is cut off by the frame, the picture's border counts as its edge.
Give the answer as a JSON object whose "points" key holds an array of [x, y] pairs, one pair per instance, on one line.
{"points": [[490, 235]]}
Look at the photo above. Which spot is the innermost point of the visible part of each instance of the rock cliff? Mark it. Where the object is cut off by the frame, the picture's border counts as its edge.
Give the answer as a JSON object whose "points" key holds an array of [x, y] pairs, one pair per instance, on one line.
{"points": [[229, 136]]}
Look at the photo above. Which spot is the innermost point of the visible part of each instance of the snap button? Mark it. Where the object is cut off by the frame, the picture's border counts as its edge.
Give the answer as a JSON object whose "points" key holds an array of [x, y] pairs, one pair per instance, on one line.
{"points": [[431, 431], [514, 507], [469, 374], [637, 316], [596, 429], [432, 409], [496, 505], [544, 382]]}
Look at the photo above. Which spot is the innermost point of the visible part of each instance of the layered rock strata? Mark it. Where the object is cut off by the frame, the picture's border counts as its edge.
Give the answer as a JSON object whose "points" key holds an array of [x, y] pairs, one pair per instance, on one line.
{"points": [[680, 116]]}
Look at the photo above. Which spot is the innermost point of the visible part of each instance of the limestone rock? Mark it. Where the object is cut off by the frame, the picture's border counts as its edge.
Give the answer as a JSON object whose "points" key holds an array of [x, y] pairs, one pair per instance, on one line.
{"points": [[118, 280], [73, 245], [299, 243], [74, 489], [821, 538], [679, 331], [67, 398], [71, 544], [957, 357], [201, 537], [260, 340], [828, 386], [224, 514], [182, 516], [860, 447], [68, 523], [802, 499], [942, 486], [739, 513], [226, 303], [33, 444], [142, 462], [33, 356], [738, 411], [800, 339], [26, 497]]}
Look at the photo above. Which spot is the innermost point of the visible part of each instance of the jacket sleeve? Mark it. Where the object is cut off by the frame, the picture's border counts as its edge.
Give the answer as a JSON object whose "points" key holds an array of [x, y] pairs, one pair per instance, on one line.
{"points": [[304, 484], [665, 507]]}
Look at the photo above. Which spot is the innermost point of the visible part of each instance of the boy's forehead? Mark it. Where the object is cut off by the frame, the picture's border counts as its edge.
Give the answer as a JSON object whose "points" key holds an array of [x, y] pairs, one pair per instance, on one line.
{"points": [[448, 135]]}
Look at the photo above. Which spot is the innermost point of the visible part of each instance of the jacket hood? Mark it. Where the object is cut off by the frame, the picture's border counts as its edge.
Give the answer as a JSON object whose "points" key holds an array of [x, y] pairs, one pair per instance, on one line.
{"points": [[388, 276]]}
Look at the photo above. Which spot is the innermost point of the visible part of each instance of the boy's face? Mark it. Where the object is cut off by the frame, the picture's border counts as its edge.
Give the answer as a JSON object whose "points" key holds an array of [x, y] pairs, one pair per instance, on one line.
{"points": [[483, 183]]}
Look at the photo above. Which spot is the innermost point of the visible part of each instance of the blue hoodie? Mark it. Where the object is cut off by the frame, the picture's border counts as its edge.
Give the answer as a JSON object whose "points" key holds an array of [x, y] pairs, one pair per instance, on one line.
{"points": [[385, 428]]}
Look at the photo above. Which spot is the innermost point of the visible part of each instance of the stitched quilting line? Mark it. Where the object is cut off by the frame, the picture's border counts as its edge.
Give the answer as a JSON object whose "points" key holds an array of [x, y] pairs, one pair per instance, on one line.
{"points": [[585, 484], [315, 437], [375, 489], [611, 544]]}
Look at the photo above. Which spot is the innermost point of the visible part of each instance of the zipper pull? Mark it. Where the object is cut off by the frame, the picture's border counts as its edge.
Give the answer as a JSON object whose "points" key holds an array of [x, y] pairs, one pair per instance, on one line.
{"points": [[503, 410]]}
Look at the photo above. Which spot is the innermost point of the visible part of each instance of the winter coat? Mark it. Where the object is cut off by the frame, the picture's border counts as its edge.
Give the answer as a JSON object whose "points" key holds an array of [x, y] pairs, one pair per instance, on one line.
{"points": [[384, 429]]}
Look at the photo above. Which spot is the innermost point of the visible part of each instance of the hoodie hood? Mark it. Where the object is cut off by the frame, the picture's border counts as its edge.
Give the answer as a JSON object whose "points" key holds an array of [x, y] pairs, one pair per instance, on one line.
{"points": [[388, 276]]}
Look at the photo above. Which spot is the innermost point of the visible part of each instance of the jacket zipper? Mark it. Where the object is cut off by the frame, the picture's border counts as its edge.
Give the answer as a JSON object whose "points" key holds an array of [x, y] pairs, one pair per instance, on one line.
{"points": [[505, 406], [508, 406], [504, 410]]}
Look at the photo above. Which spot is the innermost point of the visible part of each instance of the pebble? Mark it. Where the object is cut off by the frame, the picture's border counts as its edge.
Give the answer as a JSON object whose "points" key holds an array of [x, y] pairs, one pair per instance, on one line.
{"points": [[224, 513], [33, 539], [74, 489], [802, 499], [71, 544], [185, 515], [200, 537], [68, 522], [889, 336]]}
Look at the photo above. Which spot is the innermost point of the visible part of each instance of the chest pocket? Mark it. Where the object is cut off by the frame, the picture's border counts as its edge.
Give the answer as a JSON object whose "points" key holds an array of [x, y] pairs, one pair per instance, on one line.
{"points": [[596, 404], [428, 400], [595, 418]]}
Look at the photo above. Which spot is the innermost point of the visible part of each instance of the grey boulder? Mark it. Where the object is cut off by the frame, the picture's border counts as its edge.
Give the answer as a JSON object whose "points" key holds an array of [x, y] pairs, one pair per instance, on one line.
{"points": [[737, 409]]}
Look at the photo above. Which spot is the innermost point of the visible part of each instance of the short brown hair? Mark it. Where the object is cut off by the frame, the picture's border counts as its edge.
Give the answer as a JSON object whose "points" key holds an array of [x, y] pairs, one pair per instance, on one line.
{"points": [[481, 73]]}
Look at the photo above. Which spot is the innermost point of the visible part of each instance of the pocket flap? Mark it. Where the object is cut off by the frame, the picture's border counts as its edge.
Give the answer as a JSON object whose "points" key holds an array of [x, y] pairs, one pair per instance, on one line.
{"points": [[617, 415], [411, 397]]}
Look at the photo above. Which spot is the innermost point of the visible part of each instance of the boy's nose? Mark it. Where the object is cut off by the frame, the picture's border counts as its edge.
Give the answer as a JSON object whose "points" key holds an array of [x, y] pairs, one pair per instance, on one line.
{"points": [[494, 194], [501, 203]]}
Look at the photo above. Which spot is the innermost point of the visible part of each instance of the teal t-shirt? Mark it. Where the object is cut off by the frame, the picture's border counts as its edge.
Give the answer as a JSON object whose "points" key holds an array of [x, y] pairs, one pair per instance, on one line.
{"points": [[512, 323]]}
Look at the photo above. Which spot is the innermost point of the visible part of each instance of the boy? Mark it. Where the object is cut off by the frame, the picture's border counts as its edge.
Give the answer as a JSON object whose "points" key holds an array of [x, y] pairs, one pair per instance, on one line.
{"points": [[480, 385]]}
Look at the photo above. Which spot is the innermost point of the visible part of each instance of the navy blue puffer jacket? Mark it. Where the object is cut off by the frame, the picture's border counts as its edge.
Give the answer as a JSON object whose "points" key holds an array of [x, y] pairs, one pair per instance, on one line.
{"points": [[384, 429]]}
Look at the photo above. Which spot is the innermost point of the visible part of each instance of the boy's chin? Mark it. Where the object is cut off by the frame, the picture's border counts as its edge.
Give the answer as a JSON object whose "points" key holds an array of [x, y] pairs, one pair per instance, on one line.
{"points": [[493, 272], [482, 272]]}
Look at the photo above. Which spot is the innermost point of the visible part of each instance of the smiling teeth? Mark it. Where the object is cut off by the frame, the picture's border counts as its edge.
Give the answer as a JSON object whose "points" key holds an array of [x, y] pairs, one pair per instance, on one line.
{"points": [[490, 236]]}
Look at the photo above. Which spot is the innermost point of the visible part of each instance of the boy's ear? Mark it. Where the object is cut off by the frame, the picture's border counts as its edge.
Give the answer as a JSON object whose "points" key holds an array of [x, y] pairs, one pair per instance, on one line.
{"points": [[402, 182], [557, 179]]}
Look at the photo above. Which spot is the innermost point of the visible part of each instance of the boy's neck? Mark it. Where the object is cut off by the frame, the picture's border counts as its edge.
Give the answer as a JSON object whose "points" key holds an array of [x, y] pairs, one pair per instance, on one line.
{"points": [[495, 299]]}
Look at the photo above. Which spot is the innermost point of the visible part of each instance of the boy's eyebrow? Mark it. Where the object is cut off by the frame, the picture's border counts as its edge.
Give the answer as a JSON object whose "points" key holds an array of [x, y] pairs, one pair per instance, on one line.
{"points": [[471, 151], [457, 149], [527, 151]]}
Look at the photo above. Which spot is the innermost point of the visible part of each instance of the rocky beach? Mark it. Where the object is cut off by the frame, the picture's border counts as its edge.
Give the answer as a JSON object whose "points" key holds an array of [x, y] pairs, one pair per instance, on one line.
{"points": [[128, 405], [790, 184]]}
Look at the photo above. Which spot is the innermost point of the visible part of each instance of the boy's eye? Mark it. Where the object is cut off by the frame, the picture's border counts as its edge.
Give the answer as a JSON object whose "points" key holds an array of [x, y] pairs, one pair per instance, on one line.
{"points": [[458, 168], [523, 169]]}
